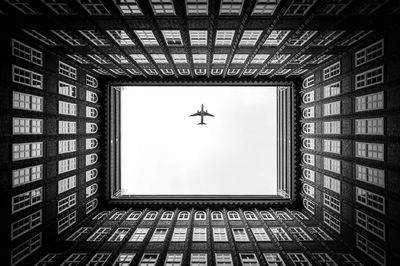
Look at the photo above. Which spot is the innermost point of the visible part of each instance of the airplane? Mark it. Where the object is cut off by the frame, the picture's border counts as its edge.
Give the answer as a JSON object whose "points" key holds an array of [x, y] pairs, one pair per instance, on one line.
{"points": [[202, 113]]}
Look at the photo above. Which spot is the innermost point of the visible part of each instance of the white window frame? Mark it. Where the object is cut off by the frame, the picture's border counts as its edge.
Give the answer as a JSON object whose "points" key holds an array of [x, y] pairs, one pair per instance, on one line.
{"points": [[66, 165], [199, 234], [332, 184], [139, 235], [159, 235], [66, 184], [27, 102], [332, 89], [369, 102], [332, 203], [66, 203], [65, 222], [370, 199], [67, 108], [179, 234], [332, 71], [369, 78], [67, 70], [27, 126], [27, 77], [372, 151], [370, 249], [369, 53], [332, 222], [308, 82], [27, 53], [25, 151], [26, 199], [371, 225], [26, 224], [370, 175], [27, 175], [332, 127]]}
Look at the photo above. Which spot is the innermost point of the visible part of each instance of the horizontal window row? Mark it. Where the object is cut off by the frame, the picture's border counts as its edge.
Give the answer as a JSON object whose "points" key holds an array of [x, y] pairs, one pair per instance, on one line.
{"points": [[367, 126]]}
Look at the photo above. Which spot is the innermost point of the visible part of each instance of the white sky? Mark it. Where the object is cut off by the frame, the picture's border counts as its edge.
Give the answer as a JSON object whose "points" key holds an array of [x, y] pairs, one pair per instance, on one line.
{"points": [[164, 151]]}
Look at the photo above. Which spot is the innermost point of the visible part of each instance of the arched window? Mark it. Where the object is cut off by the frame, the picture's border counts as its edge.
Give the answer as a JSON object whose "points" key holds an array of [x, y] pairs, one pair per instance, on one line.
{"points": [[308, 82], [91, 174], [91, 128], [233, 71], [91, 205], [309, 206], [91, 143], [200, 215], [267, 215], [167, 71], [248, 72], [183, 71], [91, 97], [309, 159], [117, 215], [133, 216], [309, 190], [249, 215], [91, 159], [308, 97], [233, 215], [167, 215], [91, 81], [283, 215], [200, 71], [309, 174], [217, 215], [151, 71], [101, 215], [91, 190], [150, 215], [299, 215], [216, 71], [91, 112], [309, 143], [183, 215], [308, 112], [309, 128]]}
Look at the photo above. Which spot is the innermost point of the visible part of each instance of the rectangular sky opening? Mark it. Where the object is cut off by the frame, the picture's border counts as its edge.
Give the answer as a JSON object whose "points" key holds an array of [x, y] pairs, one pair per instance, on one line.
{"points": [[165, 152]]}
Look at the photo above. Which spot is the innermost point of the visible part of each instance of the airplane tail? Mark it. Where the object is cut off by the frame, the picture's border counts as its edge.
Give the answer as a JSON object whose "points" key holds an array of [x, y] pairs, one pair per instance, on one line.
{"points": [[202, 124]]}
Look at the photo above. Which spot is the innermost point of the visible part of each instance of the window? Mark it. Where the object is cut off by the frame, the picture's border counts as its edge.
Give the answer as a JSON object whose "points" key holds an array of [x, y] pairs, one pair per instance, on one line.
{"points": [[250, 37], [219, 234], [66, 108], [48, 259], [370, 224], [369, 53], [332, 184], [91, 190], [223, 259], [309, 97], [274, 259], [91, 81], [197, 7], [27, 126], [280, 234], [133, 216], [200, 215], [27, 77], [309, 143], [78, 58], [82, 231], [179, 234], [146, 37], [309, 175], [66, 165], [129, 7], [371, 249], [233, 215], [231, 7], [199, 58], [172, 37], [183, 215], [239, 58], [248, 259], [95, 37], [309, 128], [66, 89], [216, 215], [139, 58], [91, 128], [332, 127], [299, 8], [163, 7], [66, 203], [27, 102], [309, 206], [69, 38], [267, 215], [370, 199], [250, 71], [119, 234], [323, 259], [317, 232], [250, 215], [198, 259], [332, 222], [373, 151], [167, 215], [198, 37], [150, 215], [309, 159], [332, 90], [179, 58], [309, 190], [91, 159], [331, 71], [124, 259], [159, 58], [369, 102], [66, 146], [199, 234], [308, 82], [299, 233], [308, 112], [349, 259], [99, 59], [282, 215], [101, 215], [259, 58], [332, 146], [91, 143], [99, 259], [67, 70], [159, 235], [91, 112], [66, 222], [332, 203], [148, 259], [265, 7], [233, 71], [370, 175], [301, 37], [200, 72], [276, 37], [332, 108], [184, 71], [74, 259], [240, 234], [26, 224], [66, 184], [217, 71], [23, 151], [39, 36], [332, 165], [100, 233], [224, 37], [139, 234], [26, 248], [91, 205], [94, 7], [27, 53], [219, 58], [121, 37], [371, 126], [369, 78], [26, 199], [66, 127], [260, 234], [91, 174], [27, 175]]}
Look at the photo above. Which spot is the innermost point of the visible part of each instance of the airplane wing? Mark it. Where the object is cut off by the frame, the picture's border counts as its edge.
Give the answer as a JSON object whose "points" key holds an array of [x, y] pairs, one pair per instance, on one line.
{"points": [[205, 113], [198, 113]]}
